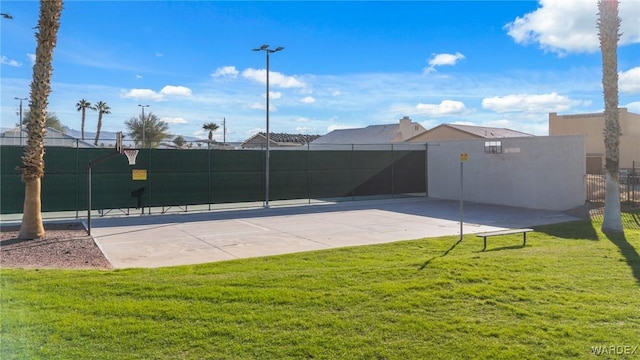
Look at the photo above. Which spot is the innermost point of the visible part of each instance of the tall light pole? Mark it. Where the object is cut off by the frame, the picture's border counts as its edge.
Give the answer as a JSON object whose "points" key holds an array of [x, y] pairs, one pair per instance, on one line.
{"points": [[144, 125], [20, 99], [224, 132], [267, 51]]}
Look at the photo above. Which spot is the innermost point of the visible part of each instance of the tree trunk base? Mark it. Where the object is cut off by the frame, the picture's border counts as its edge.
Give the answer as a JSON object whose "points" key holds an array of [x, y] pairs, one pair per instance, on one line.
{"points": [[612, 221], [32, 226]]}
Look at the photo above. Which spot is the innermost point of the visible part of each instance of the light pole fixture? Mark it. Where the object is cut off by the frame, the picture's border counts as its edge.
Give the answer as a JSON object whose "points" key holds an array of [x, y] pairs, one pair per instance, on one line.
{"points": [[267, 51], [144, 125], [20, 99]]}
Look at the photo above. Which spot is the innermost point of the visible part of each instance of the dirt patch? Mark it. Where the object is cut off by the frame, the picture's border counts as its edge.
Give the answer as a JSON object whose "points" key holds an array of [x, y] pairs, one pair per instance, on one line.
{"points": [[64, 246]]}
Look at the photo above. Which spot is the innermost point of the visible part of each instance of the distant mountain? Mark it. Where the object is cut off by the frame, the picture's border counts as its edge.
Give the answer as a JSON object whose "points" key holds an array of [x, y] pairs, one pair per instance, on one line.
{"points": [[109, 137], [104, 135]]}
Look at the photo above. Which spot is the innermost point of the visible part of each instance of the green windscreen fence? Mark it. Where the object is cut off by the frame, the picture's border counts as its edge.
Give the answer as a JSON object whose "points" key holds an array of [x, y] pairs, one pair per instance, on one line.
{"points": [[169, 177]]}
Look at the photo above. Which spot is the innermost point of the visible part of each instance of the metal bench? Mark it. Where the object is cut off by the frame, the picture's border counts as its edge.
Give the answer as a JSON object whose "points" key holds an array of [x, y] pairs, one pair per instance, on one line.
{"points": [[487, 234]]}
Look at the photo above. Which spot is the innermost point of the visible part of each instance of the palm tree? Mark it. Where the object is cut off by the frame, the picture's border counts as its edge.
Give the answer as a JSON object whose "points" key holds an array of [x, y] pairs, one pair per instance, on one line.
{"points": [[211, 127], [33, 157], [149, 131], [82, 106], [102, 108], [51, 120], [179, 141], [608, 33]]}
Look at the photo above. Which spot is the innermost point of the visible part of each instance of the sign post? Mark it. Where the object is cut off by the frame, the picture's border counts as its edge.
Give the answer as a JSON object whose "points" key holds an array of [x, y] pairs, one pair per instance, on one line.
{"points": [[463, 158]]}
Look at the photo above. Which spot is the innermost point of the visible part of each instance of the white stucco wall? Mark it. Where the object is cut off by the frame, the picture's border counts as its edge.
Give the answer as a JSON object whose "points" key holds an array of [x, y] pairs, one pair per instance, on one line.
{"points": [[539, 172]]}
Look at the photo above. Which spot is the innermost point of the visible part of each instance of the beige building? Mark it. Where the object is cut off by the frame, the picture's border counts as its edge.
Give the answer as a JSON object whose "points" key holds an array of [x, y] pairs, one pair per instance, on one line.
{"points": [[591, 126]]}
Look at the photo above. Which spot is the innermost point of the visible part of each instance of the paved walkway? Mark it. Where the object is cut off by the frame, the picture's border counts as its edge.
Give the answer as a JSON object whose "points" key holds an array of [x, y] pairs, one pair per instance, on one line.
{"points": [[191, 238]]}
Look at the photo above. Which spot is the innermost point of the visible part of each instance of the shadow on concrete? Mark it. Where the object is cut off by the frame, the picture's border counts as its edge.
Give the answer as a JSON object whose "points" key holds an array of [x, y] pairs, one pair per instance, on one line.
{"points": [[628, 251], [481, 214]]}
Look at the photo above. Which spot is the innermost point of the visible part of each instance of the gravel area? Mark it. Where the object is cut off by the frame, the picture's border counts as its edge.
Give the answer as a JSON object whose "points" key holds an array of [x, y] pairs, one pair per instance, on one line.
{"points": [[65, 246]]}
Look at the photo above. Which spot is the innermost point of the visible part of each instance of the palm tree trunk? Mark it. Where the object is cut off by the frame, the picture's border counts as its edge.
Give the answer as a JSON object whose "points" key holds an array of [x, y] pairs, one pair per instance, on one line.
{"points": [[98, 130], [32, 226], [609, 26], [33, 157], [82, 125]]}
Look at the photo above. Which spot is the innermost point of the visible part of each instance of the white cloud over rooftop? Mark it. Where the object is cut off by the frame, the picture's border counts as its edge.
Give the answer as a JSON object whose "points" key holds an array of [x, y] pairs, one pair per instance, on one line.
{"points": [[537, 103], [444, 108]]}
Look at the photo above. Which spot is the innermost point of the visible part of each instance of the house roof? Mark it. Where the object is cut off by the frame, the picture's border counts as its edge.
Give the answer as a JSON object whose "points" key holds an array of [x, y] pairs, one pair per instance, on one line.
{"points": [[372, 134], [483, 131], [52, 136], [282, 138]]}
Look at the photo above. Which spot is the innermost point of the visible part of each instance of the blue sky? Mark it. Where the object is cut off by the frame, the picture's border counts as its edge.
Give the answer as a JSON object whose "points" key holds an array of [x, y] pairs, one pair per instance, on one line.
{"points": [[345, 64]]}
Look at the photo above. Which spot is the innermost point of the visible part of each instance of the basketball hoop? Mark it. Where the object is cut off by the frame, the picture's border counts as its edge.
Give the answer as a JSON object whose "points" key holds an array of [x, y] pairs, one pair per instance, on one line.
{"points": [[131, 155]]}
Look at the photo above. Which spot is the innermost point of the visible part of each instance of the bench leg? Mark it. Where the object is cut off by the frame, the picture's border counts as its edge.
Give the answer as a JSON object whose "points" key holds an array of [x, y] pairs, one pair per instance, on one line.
{"points": [[485, 243]]}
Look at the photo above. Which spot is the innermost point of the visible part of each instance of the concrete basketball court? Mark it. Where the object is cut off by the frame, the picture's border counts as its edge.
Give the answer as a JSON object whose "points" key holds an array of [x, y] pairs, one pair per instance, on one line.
{"points": [[190, 238]]}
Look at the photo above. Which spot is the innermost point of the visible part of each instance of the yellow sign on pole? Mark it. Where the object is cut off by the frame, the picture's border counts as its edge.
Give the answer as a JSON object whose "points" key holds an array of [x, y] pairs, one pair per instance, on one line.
{"points": [[139, 174], [464, 157]]}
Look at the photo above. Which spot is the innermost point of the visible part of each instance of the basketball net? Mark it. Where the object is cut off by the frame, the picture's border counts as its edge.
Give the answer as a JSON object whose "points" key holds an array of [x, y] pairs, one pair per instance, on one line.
{"points": [[131, 155]]}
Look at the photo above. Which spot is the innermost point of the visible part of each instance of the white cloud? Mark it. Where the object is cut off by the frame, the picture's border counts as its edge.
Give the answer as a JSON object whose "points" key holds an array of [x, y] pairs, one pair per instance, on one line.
{"points": [[629, 81], [570, 25], [542, 103], [254, 131], [305, 130], [149, 94], [159, 54], [275, 78], [5, 61], [308, 100], [275, 95], [445, 108], [633, 107], [32, 58], [335, 93], [225, 71], [176, 90], [443, 59], [174, 120]]}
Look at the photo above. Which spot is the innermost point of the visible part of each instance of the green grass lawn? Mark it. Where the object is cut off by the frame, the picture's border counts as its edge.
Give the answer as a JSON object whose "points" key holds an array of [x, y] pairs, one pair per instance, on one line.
{"points": [[569, 290]]}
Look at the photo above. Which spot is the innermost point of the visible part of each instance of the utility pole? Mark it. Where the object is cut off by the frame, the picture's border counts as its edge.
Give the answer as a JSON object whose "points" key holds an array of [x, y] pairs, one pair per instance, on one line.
{"points": [[144, 125]]}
